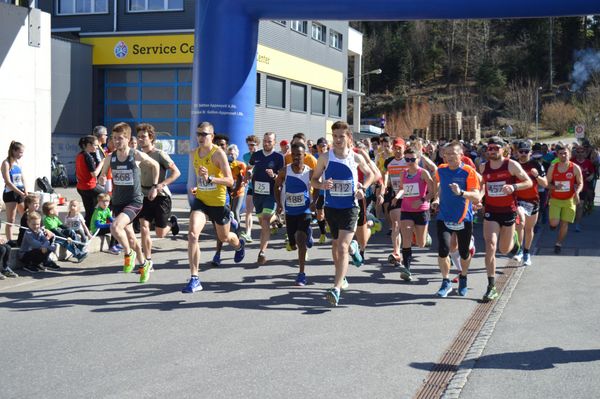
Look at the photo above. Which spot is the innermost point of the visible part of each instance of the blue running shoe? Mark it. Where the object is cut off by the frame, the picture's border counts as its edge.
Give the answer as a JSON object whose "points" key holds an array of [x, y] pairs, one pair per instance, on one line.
{"points": [[332, 296], [309, 241], [234, 223], [445, 289], [240, 252], [357, 260], [527, 259], [301, 279], [216, 262], [462, 285], [192, 286]]}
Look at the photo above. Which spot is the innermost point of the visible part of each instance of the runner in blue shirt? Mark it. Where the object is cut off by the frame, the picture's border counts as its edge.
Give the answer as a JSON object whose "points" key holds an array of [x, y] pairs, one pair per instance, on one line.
{"points": [[252, 142]]}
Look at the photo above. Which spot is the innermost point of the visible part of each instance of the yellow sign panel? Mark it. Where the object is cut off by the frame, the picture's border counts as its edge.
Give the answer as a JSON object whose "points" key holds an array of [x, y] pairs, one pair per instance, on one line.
{"points": [[179, 49]]}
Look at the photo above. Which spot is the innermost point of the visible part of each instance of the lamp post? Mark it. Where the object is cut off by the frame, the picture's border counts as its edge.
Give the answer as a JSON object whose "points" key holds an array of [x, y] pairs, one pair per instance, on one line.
{"points": [[537, 113], [357, 94]]}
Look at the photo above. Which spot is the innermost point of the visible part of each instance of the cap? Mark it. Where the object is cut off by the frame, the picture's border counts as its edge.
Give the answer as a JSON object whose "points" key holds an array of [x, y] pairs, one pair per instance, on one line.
{"points": [[496, 140], [537, 147], [398, 142], [283, 142], [321, 140], [523, 145]]}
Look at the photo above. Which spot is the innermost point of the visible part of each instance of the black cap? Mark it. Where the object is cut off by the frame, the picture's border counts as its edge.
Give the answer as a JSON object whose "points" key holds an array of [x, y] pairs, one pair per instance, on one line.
{"points": [[537, 147], [321, 140], [496, 140], [524, 145]]}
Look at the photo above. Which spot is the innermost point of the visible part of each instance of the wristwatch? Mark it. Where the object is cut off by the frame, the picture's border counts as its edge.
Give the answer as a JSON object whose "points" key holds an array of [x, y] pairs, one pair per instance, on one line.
{"points": [[209, 179]]}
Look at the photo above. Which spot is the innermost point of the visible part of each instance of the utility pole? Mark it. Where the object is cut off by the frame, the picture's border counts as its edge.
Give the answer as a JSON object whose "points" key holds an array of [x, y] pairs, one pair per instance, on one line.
{"points": [[551, 39]]}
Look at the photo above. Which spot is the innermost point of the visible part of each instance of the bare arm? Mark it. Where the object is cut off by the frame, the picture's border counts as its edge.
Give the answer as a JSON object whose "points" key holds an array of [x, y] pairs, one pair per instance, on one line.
{"points": [[279, 186], [315, 181], [516, 170], [219, 159], [7, 182]]}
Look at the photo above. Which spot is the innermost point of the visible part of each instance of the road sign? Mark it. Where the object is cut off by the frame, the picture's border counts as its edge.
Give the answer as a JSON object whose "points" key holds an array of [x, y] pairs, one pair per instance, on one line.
{"points": [[579, 131]]}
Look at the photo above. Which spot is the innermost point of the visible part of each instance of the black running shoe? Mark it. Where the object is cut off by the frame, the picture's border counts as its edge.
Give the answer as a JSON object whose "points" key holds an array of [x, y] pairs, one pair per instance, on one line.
{"points": [[174, 225]]}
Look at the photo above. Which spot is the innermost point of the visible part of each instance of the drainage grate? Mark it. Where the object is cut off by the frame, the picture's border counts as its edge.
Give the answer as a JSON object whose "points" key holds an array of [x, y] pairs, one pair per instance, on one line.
{"points": [[442, 372]]}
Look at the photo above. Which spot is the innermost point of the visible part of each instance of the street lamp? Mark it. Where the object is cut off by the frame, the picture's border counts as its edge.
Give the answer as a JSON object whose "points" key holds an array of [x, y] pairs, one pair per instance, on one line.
{"points": [[357, 94], [537, 113]]}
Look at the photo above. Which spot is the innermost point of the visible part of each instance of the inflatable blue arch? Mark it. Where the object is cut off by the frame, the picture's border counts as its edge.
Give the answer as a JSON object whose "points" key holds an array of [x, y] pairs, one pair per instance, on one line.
{"points": [[224, 74]]}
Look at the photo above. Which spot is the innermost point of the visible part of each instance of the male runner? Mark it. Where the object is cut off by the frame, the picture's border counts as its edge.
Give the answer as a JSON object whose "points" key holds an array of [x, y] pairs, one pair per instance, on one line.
{"points": [[294, 183], [340, 181], [127, 197], [266, 164], [565, 181], [213, 176], [252, 142], [501, 178]]}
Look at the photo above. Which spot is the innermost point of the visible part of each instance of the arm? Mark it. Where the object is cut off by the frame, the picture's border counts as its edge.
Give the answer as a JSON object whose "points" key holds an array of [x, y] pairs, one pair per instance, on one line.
{"points": [[147, 162], [173, 175], [103, 172], [429, 165], [578, 182], [9, 183], [431, 186], [278, 186], [368, 174], [315, 181], [219, 159], [516, 170]]}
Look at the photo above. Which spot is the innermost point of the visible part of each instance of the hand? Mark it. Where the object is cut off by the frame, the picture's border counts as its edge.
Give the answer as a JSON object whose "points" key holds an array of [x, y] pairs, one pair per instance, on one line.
{"points": [[152, 193], [534, 173], [394, 201], [69, 240], [477, 206], [576, 198], [270, 173], [193, 190], [416, 204], [2, 241], [203, 173], [279, 209], [313, 206], [360, 194], [327, 184], [508, 189], [101, 180], [455, 188], [435, 205], [89, 236], [379, 199], [44, 250]]}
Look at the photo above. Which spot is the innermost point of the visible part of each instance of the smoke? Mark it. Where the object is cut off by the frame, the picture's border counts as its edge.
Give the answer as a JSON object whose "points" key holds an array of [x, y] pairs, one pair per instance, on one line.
{"points": [[587, 62]]}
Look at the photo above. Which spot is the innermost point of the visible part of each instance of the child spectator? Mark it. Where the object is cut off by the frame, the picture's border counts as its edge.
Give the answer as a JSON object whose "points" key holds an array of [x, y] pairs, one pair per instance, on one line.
{"points": [[101, 220], [53, 223], [36, 247], [32, 204], [76, 222]]}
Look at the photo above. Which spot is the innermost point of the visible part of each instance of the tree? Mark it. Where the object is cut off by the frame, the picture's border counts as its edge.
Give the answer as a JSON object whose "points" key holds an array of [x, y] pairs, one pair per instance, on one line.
{"points": [[520, 105]]}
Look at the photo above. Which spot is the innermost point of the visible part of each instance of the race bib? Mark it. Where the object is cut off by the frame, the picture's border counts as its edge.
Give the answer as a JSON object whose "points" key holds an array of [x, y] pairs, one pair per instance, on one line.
{"points": [[262, 187], [17, 179], [122, 177], [494, 188], [295, 199], [455, 226], [395, 183], [411, 190], [526, 206], [562, 186], [341, 188], [203, 185]]}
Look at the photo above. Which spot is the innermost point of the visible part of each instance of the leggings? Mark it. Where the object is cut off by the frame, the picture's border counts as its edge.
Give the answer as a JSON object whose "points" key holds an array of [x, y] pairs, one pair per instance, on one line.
{"points": [[35, 257], [4, 254], [445, 234]]}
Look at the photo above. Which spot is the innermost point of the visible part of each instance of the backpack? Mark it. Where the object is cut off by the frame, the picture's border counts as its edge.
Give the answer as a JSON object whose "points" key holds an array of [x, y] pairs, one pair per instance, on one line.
{"points": [[44, 185]]}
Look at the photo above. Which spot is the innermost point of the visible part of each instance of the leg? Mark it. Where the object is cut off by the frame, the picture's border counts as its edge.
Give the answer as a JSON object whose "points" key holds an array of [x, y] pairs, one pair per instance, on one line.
{"points": [[341, 256], [197, 222], [11, 214], [265, 231], [506, 238], [491, 230], [395, 225], [117, 230], [133, 243], [146, 239], [249, 209], [225, 235]]}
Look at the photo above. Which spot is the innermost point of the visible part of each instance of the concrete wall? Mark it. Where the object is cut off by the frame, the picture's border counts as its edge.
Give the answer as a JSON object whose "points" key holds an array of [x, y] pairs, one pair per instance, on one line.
{"points": [[25, 112]]}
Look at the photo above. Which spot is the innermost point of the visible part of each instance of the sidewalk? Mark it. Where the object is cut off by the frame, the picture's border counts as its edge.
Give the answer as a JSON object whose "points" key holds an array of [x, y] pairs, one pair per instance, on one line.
{"points": [[545, 344]]}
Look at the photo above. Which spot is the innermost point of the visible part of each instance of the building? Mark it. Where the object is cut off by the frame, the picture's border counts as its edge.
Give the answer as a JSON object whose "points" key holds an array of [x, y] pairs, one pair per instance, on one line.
{"points": [[135, 65]]}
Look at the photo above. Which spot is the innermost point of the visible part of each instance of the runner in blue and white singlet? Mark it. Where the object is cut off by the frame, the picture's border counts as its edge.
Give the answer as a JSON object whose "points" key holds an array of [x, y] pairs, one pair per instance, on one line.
{"points": [[344, 173]]}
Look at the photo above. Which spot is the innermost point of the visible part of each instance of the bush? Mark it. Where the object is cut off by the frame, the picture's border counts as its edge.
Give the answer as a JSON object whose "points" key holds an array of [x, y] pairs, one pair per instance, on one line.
{"points": [[559, 116]]}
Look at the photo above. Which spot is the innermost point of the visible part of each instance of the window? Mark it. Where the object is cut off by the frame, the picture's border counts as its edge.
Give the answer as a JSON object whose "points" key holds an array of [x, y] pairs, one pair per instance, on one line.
{"points": [[298, 97], [66, 7], [317, 101], [318, 32], [257, 88], [299, 26], [155, 5], [335, 39], [335, 105], [284, 23], [275, 92]]}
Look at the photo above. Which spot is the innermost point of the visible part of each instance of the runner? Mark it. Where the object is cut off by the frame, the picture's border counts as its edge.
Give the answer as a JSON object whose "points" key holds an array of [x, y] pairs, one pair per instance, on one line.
{"points": [[416, 189], [457, 189], [394, 168], [213, 176], [340, 181], [565, 181], [586, 196], [294, 183], [323, 147], [159, 209], [528, 201], [127, 198], [500, 176], [267, 164], [252, 142]]}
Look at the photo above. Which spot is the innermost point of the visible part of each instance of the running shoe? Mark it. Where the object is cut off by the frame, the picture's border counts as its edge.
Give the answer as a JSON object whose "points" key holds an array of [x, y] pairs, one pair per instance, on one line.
{"points": [[145, 271], [394, 259], [310, 240], [174, 225], [333, 296], [557, 248], [192, 286], [345, 284], [405, 274], [357, 260], [472, 248], [240, 252], [289, 248], [517, 241], [50, 264], [31, 268], [577, 228], [462, 285], [216, 260], [2, 276], [114, 250], [234, 223], [428, 240], [445, 289], [490, 294], [527, 259], [262, 259], [518, 256], [301, 279], [246, 237], [119, 247], [81, 256], [322, 239], [8, 272], [327, 229], [129, 261]]}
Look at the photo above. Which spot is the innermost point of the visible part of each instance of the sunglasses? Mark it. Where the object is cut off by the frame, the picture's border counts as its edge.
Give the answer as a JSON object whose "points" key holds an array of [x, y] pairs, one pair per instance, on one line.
{"points": [[251, 144], [202, 134], [410, 159], [493, 148], [523, 151]]}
